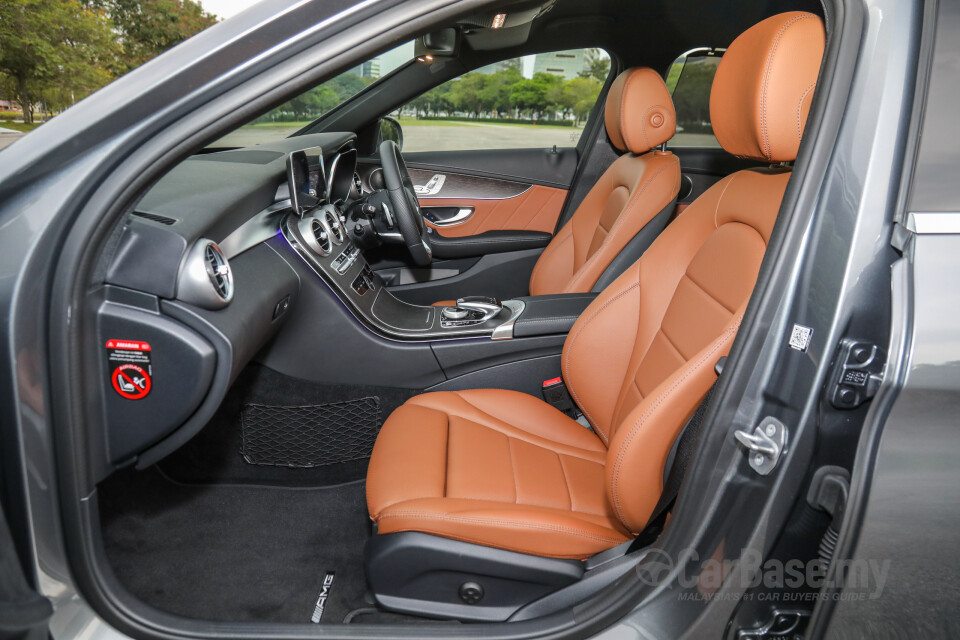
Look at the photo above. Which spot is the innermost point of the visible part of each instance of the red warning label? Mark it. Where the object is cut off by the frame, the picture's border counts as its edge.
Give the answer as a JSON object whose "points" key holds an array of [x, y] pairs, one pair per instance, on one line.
{"points": [[130, 367], [131, 381]]}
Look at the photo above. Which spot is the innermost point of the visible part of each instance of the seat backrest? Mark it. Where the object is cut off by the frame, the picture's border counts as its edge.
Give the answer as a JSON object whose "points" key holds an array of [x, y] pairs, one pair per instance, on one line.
{"points": [[641, 358], [639, 116]]}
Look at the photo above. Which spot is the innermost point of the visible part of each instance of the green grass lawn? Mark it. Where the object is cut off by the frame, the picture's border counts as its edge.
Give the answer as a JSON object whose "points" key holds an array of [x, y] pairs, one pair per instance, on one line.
{"points": [[414, 122], [19, 126]]}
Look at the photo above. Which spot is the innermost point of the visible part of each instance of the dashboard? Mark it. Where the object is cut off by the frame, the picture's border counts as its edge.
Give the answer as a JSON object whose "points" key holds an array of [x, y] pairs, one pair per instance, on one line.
{"points": [[200, 275], [229, 247]]}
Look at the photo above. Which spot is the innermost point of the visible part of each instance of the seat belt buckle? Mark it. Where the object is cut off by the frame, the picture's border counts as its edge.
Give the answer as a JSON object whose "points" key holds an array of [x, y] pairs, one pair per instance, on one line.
{"points": [[556, 395]]}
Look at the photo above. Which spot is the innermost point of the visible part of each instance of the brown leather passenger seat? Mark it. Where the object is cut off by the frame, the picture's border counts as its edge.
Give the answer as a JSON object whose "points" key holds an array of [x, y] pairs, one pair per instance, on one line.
{"points": [[506, 470], [638, 187]]}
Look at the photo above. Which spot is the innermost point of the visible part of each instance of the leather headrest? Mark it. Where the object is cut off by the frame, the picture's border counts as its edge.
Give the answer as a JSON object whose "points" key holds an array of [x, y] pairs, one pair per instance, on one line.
{"points": [[764, 86], [639, 112]]}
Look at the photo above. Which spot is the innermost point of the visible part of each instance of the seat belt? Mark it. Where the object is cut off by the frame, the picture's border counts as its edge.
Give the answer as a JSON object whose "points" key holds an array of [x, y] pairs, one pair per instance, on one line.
{"points": [[686, 448]]}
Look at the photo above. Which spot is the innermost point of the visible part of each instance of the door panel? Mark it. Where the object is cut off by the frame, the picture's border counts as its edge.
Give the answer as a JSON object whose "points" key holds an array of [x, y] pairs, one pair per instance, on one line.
{"points": [[496, 190], [548, 167], [536, 209]]}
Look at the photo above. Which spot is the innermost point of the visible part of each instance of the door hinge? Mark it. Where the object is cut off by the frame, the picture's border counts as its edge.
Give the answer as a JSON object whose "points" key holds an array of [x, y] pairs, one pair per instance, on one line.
{"points": [[765, 445]]}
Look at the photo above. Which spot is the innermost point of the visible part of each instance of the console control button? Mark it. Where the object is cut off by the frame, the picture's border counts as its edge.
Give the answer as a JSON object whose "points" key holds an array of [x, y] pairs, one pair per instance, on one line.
{"points": [[455, 313]]}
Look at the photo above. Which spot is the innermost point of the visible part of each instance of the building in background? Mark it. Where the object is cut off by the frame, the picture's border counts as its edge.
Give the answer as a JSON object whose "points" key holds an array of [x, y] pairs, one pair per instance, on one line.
{"points": [[369, 69], [566, 64], [10, 105]]}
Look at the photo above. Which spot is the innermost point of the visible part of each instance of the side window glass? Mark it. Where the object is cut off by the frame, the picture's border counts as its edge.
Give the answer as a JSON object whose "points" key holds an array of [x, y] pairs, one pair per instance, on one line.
{"points": [[529, 102], [689, 79]]}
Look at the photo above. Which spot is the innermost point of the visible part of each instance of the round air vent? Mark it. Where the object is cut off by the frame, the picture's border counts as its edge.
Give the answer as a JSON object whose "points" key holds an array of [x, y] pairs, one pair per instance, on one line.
{"points": [[205, 278], [317, 234], [332, 219], [218, 271]]}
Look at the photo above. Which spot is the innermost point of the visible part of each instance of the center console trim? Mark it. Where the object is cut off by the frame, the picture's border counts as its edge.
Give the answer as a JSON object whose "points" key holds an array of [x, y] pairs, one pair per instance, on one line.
{"points": [[375, 307]]}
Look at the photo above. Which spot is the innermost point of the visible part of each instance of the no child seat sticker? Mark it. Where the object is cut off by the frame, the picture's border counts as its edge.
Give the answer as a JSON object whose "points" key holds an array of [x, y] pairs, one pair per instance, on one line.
{"points": [[130, 368]]}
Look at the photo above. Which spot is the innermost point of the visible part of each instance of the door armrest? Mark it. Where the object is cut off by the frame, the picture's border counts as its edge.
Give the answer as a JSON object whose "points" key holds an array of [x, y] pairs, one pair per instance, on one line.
{"points": [[487, 242]]}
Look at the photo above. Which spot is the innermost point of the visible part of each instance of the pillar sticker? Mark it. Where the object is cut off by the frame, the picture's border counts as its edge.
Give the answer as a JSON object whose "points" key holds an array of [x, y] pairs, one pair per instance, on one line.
{"points": [[130, 368]]}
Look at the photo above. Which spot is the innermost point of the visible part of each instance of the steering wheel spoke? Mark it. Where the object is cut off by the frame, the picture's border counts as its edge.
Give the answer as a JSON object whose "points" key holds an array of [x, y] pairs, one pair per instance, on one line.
{"points": [[405, 205]]}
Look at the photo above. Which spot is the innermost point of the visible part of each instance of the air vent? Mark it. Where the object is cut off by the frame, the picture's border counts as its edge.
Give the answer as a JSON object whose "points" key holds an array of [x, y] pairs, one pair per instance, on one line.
{"points": [[154, 217], [219, 271], [336, 228], [322, 235], [205, 277]]}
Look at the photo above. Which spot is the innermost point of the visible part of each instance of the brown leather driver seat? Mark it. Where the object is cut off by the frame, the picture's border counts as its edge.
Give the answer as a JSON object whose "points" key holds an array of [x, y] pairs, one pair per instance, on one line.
{"points": [[504, 469], [637, 188]]}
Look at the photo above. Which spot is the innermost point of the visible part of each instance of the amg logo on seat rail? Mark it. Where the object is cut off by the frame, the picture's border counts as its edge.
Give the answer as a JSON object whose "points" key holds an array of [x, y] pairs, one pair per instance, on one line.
{"points": [[322, 598]]}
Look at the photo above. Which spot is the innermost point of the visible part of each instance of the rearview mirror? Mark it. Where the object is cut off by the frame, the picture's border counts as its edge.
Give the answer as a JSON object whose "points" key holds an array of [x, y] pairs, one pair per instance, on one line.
{"points": [[443, 43], [390, 129]]}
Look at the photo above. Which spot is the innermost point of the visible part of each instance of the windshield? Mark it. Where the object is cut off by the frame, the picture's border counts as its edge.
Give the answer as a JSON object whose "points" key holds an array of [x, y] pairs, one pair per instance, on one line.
{"points": [[294, 115]]}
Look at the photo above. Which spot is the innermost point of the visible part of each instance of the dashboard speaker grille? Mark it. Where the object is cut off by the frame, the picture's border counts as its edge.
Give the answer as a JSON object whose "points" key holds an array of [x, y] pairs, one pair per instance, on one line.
{"points": [[156, 218], [309, 436]]}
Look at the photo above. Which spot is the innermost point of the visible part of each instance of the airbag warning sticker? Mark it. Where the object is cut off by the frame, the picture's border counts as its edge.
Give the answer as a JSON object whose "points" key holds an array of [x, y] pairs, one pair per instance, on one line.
{"points": [[130, 368]]}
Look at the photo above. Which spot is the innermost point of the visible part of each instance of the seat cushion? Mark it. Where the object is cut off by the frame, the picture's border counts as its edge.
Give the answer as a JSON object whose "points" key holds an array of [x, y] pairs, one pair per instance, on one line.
{"points": [[498, 468]]}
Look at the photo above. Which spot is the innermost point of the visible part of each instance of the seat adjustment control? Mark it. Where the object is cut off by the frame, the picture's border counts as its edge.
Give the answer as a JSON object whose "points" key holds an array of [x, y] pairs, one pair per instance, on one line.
{"points": [[471, 592]]}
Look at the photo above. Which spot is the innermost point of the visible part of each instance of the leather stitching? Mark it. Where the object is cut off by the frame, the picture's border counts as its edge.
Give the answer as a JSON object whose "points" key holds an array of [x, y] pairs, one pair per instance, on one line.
{"points": [[573, 340], [643, 125], [566, 482], [716, 209], [623, 99], [707, 293], [800, 108], [550, 319], [513, 470], [635, 429], [506, 523], [551, 248], [672, 344], [767, 68], [616, 225], [571, 451]]}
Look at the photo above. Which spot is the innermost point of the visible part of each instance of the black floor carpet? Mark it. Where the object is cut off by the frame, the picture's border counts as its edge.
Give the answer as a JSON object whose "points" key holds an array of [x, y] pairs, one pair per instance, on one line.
{"points": [[236, 553]]}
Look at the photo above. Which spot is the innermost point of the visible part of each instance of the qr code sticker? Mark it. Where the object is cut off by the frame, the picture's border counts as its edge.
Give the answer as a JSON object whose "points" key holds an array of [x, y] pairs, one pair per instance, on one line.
{"points": [[800, 337]]}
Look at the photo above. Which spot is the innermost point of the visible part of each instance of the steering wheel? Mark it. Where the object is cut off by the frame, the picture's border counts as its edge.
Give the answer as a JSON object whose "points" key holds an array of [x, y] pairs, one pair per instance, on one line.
{"points": [[405, 204]]}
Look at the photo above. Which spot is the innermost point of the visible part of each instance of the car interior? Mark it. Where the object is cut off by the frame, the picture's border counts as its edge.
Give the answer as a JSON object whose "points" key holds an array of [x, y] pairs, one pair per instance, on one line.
{"points": [[341, 382]]}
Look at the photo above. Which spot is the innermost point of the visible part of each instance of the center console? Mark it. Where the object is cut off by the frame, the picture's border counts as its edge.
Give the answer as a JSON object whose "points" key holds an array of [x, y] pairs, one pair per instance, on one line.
{"points": [[320, 239]]}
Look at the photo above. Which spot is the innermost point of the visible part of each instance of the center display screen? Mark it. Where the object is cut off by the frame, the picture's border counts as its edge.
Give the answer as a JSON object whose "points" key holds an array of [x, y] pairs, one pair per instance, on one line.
{"points": [[306, 179]]}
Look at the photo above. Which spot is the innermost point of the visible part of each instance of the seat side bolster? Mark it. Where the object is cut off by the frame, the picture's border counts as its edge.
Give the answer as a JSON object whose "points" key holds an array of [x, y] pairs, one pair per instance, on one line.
{"points": [[554, 267], [649, 430], [402, 466]]}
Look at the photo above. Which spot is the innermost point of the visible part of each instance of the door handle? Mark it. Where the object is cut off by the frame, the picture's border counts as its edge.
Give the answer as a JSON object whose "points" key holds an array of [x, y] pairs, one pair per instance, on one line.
{"points": [[433, 186]]}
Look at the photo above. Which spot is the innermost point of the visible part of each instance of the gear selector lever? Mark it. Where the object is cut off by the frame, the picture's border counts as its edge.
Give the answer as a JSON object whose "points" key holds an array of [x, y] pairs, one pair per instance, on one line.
{"points": [[471, 310], [489, 306]]}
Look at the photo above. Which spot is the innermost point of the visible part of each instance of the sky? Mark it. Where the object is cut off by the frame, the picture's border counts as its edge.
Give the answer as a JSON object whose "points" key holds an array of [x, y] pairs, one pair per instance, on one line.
{"points": [[226, 8]]}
